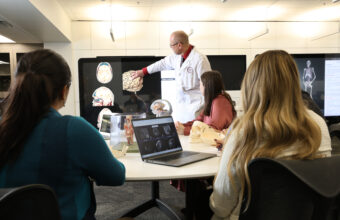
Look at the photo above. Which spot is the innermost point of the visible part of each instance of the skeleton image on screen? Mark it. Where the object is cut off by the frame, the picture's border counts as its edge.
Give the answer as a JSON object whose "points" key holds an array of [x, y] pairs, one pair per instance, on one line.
{"points": [[308, 77], [104, 72], [132, 85], [102, 97]]}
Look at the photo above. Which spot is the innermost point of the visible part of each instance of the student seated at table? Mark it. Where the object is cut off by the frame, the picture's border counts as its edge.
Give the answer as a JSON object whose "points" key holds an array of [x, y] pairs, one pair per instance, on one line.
{"points": [[39, 145], [275, 124], [218, 111]]}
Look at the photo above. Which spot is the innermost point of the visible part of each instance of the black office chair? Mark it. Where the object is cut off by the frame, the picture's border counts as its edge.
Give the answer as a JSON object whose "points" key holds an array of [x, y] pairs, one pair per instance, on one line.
{"points": [[35, 201], [293, 189]]}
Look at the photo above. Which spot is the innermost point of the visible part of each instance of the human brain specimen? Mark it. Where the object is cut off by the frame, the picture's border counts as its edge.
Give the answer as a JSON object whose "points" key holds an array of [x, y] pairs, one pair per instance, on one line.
{"points": [[130, 84]]}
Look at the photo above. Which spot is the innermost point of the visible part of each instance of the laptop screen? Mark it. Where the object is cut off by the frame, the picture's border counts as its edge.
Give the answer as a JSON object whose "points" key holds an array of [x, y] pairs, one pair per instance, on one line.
{"points": [[156, 136]]}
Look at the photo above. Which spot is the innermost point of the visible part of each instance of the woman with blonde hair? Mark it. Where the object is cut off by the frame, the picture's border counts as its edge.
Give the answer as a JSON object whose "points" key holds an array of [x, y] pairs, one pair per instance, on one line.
{"points": [[275, 124]]}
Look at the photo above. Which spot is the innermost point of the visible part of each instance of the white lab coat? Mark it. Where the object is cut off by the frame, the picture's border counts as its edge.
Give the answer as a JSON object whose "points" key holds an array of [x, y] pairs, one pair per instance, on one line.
{"points": [[188, 96]]}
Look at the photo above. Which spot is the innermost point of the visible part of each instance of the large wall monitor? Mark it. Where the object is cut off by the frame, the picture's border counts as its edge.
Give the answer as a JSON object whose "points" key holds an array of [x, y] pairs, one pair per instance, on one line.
{"points": [[101, 90], [232, 68], [320, 77]]}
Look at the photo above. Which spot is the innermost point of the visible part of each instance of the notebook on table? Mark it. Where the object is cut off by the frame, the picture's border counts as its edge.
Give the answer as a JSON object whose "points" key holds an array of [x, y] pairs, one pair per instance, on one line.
{"points": [[158, 143]]}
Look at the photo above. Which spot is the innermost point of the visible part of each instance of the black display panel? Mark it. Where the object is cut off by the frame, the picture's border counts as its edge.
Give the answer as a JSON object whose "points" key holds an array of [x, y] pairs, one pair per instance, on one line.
{"points": [[320, 77], [232, 68], [122, 101]]}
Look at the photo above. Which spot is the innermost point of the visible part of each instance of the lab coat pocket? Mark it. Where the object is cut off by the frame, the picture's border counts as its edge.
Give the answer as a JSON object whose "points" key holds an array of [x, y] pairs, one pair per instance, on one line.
{"points": [[188, 78]]}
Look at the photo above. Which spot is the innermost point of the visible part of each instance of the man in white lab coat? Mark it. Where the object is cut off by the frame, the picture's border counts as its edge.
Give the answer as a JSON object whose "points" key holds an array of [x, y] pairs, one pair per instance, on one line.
{"points": [[188, 65]]}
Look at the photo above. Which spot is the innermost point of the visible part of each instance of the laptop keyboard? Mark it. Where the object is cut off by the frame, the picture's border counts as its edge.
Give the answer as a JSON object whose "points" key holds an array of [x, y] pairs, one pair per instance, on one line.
{"points": [[177, 156]]}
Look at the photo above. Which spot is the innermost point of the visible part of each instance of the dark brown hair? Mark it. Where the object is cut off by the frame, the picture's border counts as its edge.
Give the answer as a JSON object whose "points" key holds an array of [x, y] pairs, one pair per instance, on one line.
{"points": [[213, 86], [39, 80]]}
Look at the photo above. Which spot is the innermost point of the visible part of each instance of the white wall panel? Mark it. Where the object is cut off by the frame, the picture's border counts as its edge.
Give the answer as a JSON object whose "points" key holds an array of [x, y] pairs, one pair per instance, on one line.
{"points": [[208, 51], [101, 39], [142, 52], [108, 52], [205, 34], [232, 36], [81, 35], [77, 54], [142, 35]]}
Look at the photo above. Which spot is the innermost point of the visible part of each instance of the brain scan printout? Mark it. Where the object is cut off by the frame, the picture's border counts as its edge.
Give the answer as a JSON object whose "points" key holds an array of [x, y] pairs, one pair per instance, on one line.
{"points": [[102, 96], [132, 85], [104, 72]]}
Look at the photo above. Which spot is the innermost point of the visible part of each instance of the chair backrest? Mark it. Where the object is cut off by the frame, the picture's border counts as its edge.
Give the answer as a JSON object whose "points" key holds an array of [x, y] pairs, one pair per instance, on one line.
{"points": [[294, 189], [36, 201]]}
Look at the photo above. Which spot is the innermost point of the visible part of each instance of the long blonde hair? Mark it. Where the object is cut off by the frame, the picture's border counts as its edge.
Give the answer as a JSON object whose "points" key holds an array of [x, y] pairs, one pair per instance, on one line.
{"points": [[274, 117]]}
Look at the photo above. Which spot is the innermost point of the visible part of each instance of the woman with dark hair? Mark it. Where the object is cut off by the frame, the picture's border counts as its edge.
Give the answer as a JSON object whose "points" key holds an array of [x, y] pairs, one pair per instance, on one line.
{"points": [[38, 145], [218, 111]]}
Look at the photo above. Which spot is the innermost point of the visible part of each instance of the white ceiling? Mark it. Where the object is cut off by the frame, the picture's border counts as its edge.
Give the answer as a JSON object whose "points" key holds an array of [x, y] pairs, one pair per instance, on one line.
{"points": [[203, 10], [30, 20]]}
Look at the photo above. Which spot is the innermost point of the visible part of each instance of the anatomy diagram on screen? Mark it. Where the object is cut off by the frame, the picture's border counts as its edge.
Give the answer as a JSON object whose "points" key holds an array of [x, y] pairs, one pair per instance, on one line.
{"points": [[104, 72], [308, 77], [128, 129], [102, 96]]}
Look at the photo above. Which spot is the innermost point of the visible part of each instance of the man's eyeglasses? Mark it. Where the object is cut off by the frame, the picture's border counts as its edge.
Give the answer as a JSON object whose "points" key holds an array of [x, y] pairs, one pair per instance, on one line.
{"points": [[171, 45]]}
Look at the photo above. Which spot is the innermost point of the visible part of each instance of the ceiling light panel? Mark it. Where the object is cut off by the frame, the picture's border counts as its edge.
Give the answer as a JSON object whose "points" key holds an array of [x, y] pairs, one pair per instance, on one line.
{"points": [[4, 39], [324, 13]]}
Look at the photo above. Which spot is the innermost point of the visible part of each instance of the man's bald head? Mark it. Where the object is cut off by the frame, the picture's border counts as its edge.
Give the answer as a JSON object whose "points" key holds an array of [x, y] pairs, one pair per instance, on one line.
{"points": [[180, 37]]}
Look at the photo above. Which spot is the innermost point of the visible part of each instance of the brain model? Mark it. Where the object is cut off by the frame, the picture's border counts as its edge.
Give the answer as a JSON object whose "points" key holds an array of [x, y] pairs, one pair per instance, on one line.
{"points": [[161, 107], [132, 85], [201, 132], [104, 72]]}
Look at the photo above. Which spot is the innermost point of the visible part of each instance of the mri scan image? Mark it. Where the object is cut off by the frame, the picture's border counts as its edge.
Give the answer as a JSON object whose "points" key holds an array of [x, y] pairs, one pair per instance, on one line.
{"points": [[104, 72], [144, 133], [156, 132], [172, 143], [167, 129], [102, 96], [160, 146]]}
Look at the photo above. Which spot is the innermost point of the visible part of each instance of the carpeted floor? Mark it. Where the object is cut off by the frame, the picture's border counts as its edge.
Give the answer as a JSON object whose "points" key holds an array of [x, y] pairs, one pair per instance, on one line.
{"points": [[112, 202]]}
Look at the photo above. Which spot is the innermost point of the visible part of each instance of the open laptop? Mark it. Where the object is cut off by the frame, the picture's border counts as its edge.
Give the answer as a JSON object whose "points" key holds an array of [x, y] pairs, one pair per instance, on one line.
{"points": [[158, 143]]}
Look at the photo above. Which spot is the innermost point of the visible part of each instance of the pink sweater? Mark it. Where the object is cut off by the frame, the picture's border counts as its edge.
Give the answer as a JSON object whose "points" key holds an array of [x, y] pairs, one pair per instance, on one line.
{"points": [[221, 115]]}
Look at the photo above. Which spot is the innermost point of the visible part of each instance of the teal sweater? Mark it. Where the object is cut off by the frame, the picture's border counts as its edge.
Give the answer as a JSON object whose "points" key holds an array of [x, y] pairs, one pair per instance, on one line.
{"points": [[87, 156]]}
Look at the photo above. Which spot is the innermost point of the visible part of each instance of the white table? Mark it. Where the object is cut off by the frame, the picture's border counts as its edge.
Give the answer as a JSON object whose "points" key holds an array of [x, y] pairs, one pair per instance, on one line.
{"points": [[137, 170]]}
